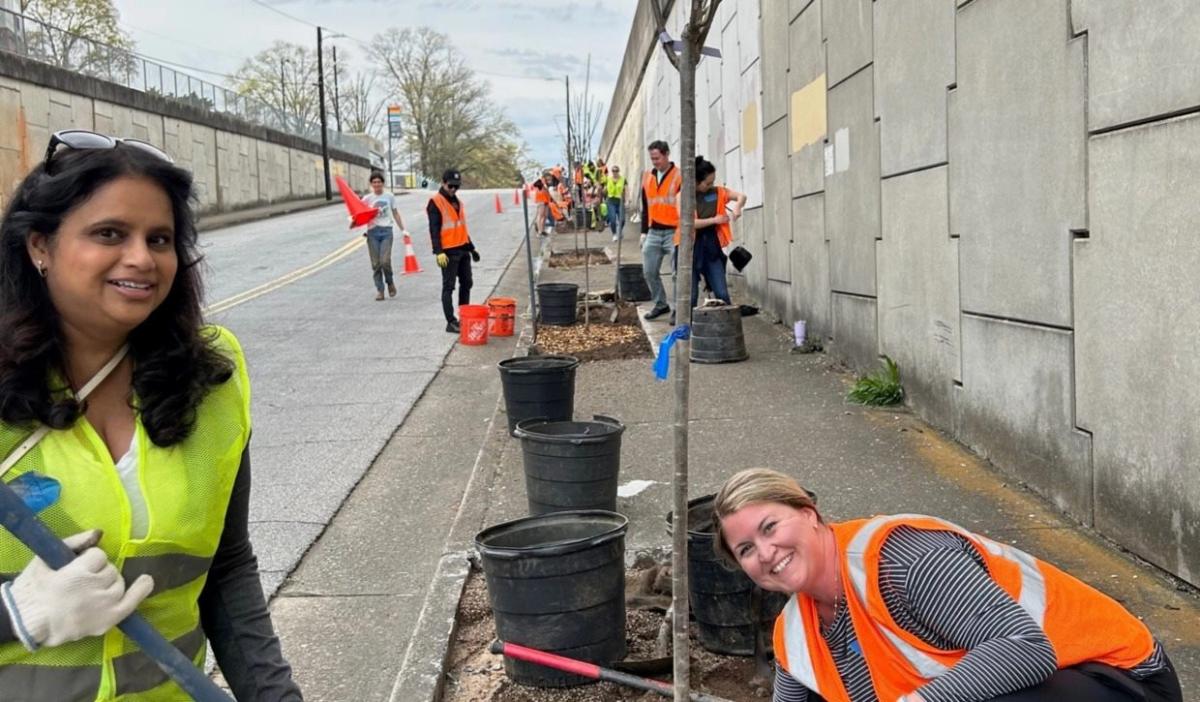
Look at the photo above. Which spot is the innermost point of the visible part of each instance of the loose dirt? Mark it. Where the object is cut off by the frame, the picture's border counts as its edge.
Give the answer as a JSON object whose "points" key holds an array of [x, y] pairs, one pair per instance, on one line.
{"points": [[578, 259], [473, 674], [599, 340]]}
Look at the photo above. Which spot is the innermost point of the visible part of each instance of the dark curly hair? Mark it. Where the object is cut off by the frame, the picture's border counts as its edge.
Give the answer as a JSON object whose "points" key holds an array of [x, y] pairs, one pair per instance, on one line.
{"points": [[175, 361]]}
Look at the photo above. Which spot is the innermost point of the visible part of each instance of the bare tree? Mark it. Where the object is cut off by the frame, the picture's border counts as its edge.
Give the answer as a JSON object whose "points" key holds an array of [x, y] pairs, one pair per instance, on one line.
{"points": [[694, 33], [284, 77], [450, 119], [361, 104]]}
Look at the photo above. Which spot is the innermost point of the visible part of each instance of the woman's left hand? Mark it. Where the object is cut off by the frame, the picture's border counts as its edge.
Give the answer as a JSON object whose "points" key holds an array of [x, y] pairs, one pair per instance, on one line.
{"points": [[737, 213]]}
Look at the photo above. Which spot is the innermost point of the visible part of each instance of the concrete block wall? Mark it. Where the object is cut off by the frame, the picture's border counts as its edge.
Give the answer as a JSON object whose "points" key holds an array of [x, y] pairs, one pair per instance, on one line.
{"points": [[1002, 196], [232, 170]]}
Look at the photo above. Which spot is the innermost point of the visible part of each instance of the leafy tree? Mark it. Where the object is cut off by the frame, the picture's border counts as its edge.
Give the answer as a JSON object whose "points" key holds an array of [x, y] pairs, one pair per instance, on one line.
{"points": [[79, 35], [450, 119]]}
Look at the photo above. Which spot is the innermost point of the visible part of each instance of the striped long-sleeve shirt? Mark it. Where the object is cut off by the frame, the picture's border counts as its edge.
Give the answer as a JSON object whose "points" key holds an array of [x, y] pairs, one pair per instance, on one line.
{"points": [[936, 586]]}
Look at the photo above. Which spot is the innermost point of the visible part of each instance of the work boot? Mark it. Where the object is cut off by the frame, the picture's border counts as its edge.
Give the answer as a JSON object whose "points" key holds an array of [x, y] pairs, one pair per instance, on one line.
{"points": [[379, 296], [391, 289], [658, 311], [452, 326]]}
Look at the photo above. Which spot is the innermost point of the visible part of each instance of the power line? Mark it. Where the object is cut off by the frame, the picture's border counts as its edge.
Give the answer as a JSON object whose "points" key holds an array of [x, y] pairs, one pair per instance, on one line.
{"points": [[278, 11]]}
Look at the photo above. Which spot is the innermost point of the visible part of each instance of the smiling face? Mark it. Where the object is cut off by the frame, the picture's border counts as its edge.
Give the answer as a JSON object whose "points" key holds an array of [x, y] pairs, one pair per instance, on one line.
{"points": [[112, 261], [781, 548], [377, 186]]}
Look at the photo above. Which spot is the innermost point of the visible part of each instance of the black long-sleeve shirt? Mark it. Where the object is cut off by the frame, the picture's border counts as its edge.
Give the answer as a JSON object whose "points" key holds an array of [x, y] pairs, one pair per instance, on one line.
{"points": [[233, 611], [435, 223]]}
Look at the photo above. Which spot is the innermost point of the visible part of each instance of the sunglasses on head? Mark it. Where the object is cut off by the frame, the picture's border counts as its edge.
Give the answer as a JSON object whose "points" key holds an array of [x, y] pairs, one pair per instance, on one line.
{"points": [[81, 139]]}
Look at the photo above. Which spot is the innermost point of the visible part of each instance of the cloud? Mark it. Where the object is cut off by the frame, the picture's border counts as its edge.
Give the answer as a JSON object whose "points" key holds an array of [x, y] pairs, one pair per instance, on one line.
{"points": [[552, 64]]}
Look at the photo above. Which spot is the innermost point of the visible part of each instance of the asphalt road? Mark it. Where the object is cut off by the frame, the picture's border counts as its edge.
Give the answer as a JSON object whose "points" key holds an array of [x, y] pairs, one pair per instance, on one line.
{"points": [[333, 372]]}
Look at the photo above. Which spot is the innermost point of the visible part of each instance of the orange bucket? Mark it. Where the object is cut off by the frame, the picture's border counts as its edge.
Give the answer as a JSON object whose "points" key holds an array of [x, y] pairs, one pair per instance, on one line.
{"points": [[503, 310], [473, 322]]}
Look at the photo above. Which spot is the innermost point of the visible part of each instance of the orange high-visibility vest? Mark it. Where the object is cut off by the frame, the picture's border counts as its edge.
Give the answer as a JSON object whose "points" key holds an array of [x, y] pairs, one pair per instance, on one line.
{"points": [[543, 198], [1082, 623], [724, 232], [454, 222], [662, 199]]}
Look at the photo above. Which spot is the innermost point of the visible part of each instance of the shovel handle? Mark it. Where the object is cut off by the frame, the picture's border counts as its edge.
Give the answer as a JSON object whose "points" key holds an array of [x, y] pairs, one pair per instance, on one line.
{"points": [[23, 523]]}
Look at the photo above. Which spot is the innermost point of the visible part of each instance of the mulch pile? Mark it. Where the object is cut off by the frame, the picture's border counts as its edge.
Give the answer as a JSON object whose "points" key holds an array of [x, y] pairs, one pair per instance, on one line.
{"points": [[578, 259], [600, 340]]}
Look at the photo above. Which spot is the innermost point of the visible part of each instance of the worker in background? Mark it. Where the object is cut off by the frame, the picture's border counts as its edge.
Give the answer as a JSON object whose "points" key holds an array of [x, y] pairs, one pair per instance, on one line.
{"points": [[660, 219], [451, 244], [614, 186]]}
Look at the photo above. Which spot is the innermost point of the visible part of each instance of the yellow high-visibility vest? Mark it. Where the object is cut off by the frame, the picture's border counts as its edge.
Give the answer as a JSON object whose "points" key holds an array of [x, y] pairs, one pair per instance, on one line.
{"points": [[186, 489]]}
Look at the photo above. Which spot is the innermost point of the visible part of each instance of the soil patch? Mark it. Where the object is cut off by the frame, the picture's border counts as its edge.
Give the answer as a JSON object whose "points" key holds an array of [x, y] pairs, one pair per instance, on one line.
{"points": [[473, 674], [600, 340], [578, 259]]}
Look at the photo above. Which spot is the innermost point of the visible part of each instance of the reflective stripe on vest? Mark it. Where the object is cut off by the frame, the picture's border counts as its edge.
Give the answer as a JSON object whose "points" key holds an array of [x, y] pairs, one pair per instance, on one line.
{"points": [[799, 657], [454, 222], [186, 488]]}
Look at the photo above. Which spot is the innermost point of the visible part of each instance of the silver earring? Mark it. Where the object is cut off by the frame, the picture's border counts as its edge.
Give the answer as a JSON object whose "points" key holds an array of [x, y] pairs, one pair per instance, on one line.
{"points": [[41, 268]]}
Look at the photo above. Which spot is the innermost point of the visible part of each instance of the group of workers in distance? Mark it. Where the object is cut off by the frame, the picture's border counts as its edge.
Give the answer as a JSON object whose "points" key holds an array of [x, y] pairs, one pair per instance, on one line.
{"points": [[125, 423]]}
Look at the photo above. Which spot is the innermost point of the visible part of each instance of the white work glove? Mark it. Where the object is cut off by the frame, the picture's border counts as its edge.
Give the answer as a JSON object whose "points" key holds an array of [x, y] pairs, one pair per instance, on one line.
{"points": [[86, 597]]}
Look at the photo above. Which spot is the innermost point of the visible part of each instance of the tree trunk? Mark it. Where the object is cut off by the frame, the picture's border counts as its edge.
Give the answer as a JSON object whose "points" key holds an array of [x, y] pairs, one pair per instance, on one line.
{"points": [[683, 315]]}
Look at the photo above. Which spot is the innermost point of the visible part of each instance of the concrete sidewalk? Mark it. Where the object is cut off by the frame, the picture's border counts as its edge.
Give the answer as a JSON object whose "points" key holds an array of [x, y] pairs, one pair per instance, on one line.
{"points": [[368, 614]]}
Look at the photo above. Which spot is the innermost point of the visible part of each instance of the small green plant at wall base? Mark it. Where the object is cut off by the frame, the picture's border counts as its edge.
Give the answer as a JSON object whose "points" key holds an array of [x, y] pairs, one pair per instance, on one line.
{"points": [[879, 388]]}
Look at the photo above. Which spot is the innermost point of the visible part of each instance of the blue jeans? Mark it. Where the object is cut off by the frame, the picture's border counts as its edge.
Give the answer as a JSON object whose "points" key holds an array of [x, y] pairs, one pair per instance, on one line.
{"points": [[616, 215], [709, 260], [379, 246], [659, 244]]}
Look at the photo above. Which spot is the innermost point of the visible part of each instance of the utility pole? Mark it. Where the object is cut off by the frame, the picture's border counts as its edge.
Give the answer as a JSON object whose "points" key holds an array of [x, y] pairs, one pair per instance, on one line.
{"points": [[337, 103], [324, 128], [282, 94]]}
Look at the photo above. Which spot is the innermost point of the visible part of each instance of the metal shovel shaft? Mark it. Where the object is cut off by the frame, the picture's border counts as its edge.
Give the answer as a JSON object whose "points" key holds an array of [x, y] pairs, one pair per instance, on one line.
{"points": [[593, 671]]}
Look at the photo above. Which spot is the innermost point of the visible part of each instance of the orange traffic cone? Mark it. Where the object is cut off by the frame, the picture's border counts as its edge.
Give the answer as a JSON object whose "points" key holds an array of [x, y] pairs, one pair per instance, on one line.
{"points": [[516, 197], [360, 213], [499, 207], [411, 264]]}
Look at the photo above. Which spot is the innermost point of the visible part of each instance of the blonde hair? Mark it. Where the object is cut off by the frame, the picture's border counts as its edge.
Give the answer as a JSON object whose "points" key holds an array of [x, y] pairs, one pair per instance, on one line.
{"points": [[751, 486]]}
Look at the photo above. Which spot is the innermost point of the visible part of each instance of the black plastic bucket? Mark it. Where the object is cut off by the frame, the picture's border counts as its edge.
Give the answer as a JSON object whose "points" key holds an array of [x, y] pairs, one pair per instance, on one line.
{"points": [[557, 583], [722, 601], [571, 465], [717, 335], [557, 303], [632, 282], [538, 386]]}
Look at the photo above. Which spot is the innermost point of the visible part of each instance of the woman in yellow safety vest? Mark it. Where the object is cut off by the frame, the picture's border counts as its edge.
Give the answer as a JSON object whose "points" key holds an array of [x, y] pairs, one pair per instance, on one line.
{"points": [[124, 421], [909, 608]]}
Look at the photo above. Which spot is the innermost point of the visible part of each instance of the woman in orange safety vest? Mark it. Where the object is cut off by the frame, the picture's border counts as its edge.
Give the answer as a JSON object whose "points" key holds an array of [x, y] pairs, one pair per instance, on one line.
{"points": [[910, 608], [713, 230]]}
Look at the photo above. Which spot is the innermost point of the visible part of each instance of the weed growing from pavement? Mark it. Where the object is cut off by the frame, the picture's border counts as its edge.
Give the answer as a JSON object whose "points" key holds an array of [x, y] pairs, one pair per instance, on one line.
{"points": [[882, 387]]}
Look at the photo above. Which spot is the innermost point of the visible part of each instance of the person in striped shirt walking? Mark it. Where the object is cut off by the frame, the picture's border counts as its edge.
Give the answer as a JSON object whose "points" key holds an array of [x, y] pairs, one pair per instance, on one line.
{"points": [[912, 608]]}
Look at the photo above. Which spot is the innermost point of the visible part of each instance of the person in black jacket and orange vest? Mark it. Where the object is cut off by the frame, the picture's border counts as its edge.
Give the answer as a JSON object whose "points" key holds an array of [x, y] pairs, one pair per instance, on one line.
{"points": [[451, 244]]}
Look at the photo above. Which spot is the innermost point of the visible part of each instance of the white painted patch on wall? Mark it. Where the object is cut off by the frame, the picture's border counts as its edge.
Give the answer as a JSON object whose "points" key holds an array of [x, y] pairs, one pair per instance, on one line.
{"points": [[841, 149], [634, 487], [829, 159]]}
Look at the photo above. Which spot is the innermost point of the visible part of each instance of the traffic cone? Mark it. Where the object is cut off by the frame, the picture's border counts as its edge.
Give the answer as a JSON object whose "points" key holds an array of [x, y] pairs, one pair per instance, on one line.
{"points": [[516, 197], [360, 213], [499, 207], [411, 264]]}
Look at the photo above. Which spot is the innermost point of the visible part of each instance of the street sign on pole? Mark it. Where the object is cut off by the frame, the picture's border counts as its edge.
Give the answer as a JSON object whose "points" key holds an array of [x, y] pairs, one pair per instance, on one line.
{"points": [[395, 119]]}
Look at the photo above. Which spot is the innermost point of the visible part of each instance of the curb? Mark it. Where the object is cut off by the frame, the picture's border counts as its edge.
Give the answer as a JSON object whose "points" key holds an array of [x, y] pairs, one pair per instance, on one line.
{"points": [[421, 675]]}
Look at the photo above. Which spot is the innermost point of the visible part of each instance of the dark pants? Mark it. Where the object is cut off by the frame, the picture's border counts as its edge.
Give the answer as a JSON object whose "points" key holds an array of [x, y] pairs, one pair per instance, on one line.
{"points": [[459, 268], [708, 260]]}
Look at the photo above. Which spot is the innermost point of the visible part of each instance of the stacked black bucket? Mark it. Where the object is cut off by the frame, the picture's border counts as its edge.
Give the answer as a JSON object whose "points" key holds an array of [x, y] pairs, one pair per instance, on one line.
{"points": [[556, 579]]}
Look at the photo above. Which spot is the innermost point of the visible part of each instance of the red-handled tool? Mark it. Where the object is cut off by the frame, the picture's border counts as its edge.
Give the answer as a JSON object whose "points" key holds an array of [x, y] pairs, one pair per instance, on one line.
{"points": [[593, 671]]}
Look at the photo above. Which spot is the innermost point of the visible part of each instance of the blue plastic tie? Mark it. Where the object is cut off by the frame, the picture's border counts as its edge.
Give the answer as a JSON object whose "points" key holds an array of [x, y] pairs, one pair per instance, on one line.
{"points": [[37, 491], [662, 364]]}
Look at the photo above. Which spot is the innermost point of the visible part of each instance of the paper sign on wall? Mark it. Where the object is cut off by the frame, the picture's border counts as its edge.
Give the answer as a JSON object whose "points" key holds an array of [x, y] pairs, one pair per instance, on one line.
{"points": [[841, 150], [829, 159]]}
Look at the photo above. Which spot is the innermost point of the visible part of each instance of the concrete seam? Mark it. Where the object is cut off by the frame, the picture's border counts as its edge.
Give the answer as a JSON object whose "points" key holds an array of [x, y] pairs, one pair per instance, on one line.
{"points": [[917, 169], [1133, 124], [861, 296], [870, 65], [1017, 320]]}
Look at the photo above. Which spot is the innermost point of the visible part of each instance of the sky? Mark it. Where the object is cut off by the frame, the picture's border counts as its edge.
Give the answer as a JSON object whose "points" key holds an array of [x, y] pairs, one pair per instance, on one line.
{"points": [[522, 48]]}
